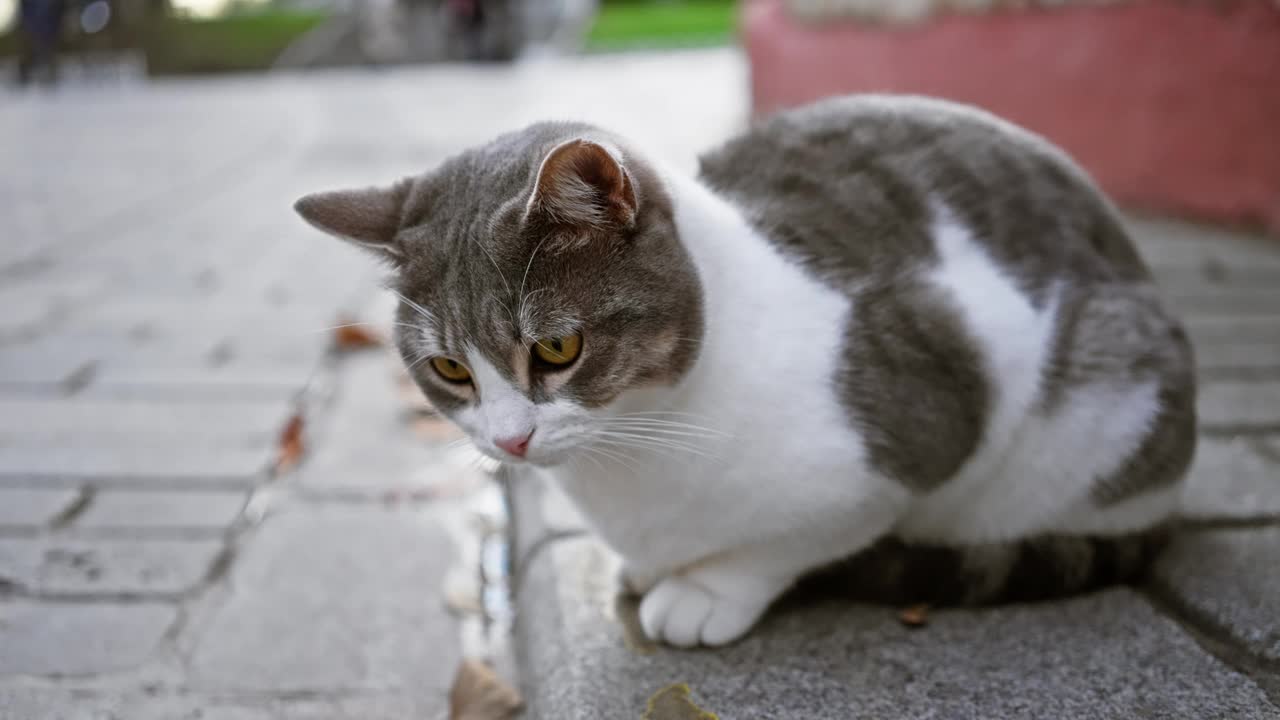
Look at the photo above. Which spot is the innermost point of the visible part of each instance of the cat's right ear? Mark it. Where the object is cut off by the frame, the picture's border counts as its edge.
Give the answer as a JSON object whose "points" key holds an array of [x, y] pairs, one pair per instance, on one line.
{"points": [[368, 217]]}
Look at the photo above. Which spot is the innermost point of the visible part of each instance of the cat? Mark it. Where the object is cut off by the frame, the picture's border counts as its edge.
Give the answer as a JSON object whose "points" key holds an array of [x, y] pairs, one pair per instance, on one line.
{"points": [[870, 323]]}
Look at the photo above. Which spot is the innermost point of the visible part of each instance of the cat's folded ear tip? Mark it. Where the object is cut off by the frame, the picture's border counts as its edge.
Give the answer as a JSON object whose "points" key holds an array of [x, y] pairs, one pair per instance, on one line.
{"points": [[306, 204]]}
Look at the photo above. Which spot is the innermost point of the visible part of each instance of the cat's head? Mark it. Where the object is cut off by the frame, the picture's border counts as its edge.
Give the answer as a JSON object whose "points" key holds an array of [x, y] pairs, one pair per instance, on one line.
{"points": [[540, 279]]}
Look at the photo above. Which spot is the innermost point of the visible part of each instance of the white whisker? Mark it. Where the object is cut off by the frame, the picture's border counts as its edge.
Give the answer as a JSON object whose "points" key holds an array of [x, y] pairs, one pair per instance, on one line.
{"points": [[485, 250]]}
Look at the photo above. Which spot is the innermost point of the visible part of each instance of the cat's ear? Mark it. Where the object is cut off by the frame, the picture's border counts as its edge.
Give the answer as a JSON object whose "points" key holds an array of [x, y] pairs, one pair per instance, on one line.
{"points": [[583, 183], [368, 217]]}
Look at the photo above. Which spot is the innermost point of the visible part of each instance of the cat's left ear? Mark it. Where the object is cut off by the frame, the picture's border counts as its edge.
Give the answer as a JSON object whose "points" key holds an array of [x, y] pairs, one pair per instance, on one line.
{"points": [[585, 185], [368, 217]]}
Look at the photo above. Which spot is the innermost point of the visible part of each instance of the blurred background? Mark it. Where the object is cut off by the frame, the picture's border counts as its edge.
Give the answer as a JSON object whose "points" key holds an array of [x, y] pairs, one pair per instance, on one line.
{"points": [[216, 488]]}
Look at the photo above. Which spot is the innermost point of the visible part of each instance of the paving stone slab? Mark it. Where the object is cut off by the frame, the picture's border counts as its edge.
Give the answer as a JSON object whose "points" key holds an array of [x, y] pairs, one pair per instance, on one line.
{"points": [[107, 567], [1225, 405], [1232, 478], [1230, 579], [140, 464], [70, 414], [127, 510], [1206, 331], [367, 445], [74, 639], [33, 508], [1260, 301], [1215, 273], [333, 598], [46, 704], [1107, 655], [1227, 358], [42, 366], [234, 383], [1168, 242]]}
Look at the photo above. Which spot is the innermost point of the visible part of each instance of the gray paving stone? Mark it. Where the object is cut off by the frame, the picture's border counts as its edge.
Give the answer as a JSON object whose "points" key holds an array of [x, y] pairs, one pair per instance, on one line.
{"points": [[367, 446], [1209, 330], [70, 414], [1232, 477], [1239, 405], [234, 383], [24, 365], [1231, 358], [1229, 578], [1167, 242], [126, 510], [137, 465], [327, 598], [111, 567], [1229, 302], [1108, 655], [23, 315], [1215, 273], [34, 508], [79, 704], [74, 639]]}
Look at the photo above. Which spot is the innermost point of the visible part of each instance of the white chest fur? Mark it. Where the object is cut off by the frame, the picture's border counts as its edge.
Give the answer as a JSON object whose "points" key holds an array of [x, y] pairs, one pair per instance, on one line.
{"points": [[780, 448]]}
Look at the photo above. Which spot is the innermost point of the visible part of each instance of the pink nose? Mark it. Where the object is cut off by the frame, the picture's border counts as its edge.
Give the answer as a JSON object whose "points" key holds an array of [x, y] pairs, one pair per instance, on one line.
{"points": [[517, 446]]}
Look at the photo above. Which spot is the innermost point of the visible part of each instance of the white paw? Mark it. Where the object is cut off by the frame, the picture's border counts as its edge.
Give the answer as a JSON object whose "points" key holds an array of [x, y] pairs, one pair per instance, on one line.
{"points": [[680, 612]]}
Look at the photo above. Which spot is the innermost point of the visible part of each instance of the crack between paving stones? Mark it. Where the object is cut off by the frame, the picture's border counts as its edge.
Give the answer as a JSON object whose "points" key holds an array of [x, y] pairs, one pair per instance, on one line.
{"points": [[77, 508], [1227, 522], [1214, 639]]}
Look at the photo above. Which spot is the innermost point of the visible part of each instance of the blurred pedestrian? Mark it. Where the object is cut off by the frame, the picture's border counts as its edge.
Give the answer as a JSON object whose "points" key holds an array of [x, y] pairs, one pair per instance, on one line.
{"points": [[39, 34]]}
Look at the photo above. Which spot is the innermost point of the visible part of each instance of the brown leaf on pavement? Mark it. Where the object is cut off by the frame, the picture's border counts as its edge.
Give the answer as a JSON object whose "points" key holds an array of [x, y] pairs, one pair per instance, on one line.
{"points": [[479, 694], [351, 335], [673, 703], [291, 446], [914, 616]]}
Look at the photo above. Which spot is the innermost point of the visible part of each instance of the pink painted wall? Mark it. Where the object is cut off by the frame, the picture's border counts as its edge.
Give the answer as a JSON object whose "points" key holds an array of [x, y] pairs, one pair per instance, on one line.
{"points": [[1173, 105]]}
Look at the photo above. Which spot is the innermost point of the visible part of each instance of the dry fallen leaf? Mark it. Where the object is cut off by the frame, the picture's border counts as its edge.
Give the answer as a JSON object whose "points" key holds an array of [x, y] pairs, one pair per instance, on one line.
{"points": [[914, 616], [479, 694], [351, 335], [291, 446], [673, 703]]}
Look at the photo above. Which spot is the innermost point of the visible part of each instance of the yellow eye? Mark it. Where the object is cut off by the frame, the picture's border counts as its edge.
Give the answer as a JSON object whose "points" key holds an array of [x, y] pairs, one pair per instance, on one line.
{"points": [[560, 351], [451, 370]]}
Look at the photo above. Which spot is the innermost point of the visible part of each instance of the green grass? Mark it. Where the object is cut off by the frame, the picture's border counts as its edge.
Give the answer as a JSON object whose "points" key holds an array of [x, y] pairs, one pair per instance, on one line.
{"points": [[228, 44], [234, 43], [662, 23]]}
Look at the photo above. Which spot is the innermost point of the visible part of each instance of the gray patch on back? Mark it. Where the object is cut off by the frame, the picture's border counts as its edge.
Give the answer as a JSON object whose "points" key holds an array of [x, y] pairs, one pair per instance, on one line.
{"points": [[845, 187], [914, 382]]}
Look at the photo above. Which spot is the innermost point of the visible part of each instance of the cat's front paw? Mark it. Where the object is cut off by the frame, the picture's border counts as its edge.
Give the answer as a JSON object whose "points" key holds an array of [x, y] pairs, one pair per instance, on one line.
{"points": [[681, 612]]}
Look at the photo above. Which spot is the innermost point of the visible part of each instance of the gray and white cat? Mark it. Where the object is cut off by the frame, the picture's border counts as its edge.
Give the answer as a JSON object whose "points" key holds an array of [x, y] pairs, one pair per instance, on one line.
{"points": [[874, 321]]}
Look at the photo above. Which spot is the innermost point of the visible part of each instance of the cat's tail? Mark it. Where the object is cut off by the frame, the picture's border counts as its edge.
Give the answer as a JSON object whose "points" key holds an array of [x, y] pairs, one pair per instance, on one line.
{"points": [[1041, 568]]}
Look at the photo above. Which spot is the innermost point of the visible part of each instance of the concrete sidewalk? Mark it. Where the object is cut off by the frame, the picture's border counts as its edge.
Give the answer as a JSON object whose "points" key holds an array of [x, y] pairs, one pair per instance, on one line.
{"points": [[166, 316]]}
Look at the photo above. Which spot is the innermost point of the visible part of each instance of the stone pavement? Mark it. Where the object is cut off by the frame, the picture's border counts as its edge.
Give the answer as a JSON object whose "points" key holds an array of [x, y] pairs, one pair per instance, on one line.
{"points": [[165, 316]]}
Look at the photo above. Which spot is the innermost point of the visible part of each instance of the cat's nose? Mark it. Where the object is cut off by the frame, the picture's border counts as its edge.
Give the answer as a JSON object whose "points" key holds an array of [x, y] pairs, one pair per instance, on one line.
{"points": [[517, 445]]}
